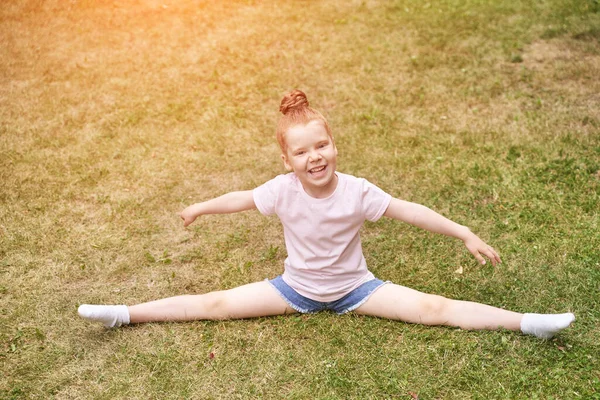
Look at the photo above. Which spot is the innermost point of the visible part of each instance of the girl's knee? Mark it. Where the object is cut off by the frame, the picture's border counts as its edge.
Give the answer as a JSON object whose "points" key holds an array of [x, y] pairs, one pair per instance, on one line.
{"points": [[434, 307], [215, 304]]}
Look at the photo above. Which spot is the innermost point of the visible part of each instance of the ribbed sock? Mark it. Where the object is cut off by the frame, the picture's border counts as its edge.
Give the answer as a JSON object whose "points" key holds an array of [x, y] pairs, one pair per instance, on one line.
{"points": [[109, 316], [545, 326]]}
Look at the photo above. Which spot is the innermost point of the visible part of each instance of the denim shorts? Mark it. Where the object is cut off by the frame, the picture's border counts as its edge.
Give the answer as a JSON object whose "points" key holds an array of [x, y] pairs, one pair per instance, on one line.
{"points": [[348, 303]]}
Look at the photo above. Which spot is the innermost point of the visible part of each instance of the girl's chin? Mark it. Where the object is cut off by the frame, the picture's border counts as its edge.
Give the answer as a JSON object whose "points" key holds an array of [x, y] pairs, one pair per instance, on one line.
{"points": [[323, 182], [322, 177], [318, 175]]}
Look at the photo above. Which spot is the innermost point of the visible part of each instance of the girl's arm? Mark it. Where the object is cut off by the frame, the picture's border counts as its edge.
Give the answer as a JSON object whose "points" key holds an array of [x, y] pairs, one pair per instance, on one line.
{"points": [[228, 203], [425, 218]]}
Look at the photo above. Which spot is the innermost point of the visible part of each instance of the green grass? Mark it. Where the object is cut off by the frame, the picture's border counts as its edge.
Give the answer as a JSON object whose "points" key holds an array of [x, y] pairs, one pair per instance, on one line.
{"points": [[116, 115]]}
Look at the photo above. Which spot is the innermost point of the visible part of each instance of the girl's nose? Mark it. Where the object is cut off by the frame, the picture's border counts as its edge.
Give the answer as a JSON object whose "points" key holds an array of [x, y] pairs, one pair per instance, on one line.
{"points": [[314, 156]]}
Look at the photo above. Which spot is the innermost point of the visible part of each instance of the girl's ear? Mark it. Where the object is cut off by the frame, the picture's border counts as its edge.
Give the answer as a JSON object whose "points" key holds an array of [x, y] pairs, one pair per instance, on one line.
{"points": [[286, 163]]}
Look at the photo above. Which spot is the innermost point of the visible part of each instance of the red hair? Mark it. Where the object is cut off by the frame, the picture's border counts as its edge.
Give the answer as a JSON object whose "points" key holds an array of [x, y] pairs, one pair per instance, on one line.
{"points": [[295, 110]]}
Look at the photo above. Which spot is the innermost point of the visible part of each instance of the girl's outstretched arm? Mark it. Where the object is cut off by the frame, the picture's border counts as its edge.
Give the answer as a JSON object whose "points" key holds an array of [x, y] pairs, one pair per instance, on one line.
{"points": [[425, 218], [228, 203]]}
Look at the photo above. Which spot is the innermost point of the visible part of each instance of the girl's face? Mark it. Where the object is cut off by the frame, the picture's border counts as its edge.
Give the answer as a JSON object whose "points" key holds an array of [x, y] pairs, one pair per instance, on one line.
{"points": [[311, 154]]}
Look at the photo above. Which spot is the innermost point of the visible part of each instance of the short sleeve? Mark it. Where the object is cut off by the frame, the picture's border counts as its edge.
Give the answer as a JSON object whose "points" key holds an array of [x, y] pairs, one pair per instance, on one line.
{"points": [[266, 195], [374, 201]]}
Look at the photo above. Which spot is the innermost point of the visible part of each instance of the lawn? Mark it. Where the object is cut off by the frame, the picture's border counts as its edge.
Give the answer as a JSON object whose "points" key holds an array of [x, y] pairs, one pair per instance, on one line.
{"points": [[114, 116]]}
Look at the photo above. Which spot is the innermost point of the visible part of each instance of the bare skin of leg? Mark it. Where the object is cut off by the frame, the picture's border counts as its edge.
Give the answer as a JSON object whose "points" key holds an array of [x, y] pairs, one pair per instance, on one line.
{"points": [[409, 305], [258, 299]]}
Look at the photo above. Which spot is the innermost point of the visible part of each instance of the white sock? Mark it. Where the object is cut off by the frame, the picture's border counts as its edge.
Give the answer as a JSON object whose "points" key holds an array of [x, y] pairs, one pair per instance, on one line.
{"points": [[110, 316], [545, 326]]}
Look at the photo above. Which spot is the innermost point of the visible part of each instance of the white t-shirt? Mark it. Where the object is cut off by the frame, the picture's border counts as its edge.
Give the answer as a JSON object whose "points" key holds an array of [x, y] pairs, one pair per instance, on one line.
{"points": [[325, 259]]}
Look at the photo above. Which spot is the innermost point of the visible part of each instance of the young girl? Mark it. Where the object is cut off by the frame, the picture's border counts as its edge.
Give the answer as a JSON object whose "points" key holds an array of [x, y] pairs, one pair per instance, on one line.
{"points": [[322, 211]]}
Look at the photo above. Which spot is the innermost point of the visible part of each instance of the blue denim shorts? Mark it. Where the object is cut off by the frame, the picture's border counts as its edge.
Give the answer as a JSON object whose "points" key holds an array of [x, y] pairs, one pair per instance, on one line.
{"points": [[348, 303]]}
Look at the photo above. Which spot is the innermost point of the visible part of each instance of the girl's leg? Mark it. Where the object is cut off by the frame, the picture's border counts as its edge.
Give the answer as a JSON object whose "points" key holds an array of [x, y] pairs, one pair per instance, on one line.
{"points": [[252, 300], [404, 304], [409, 305], [257, 299]]}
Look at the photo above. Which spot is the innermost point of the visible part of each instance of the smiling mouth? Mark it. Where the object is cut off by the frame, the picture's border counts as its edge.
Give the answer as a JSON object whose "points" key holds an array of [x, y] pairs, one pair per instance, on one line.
{"points": [[317, 169]]}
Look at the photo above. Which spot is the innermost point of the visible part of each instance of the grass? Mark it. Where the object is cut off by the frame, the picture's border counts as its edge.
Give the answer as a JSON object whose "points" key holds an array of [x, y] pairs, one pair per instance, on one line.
{"points": [[114, 116]]}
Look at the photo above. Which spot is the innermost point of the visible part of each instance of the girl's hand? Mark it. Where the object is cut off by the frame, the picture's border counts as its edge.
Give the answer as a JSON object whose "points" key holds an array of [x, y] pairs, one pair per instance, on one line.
{"points": [[189, 215], [477, 247]]}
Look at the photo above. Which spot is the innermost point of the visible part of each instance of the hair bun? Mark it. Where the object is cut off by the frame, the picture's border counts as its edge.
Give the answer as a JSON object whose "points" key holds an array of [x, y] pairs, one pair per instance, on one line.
{"points": [[294, 100]]}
